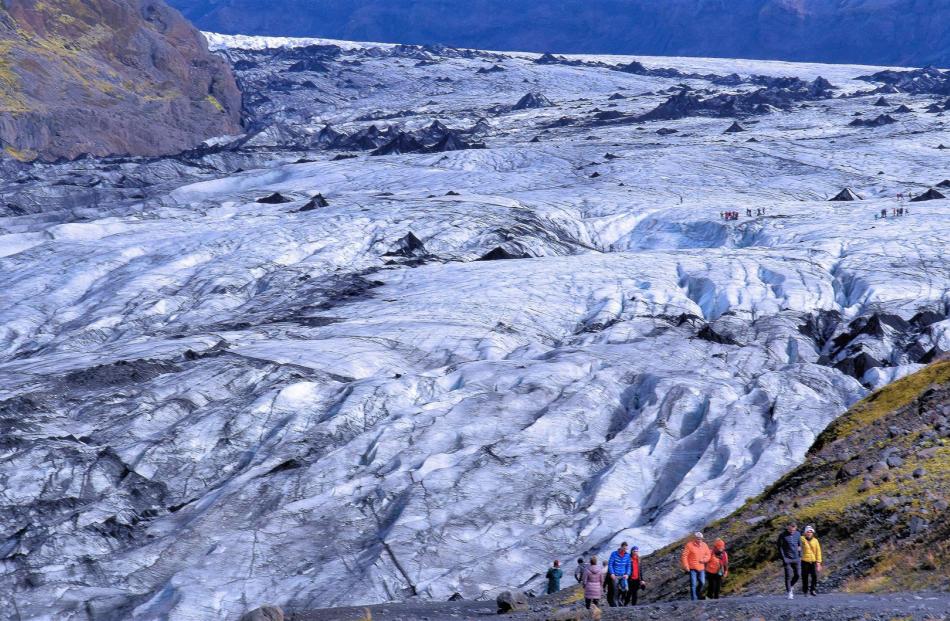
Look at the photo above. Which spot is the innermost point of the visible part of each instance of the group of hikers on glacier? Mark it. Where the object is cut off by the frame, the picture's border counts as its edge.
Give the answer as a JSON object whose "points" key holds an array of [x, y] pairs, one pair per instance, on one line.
{"points": [[620, 578]]}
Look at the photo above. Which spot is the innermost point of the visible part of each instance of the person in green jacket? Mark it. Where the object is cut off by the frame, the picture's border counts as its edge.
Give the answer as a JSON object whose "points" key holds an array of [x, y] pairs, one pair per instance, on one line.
{"points": [[554, 577]]}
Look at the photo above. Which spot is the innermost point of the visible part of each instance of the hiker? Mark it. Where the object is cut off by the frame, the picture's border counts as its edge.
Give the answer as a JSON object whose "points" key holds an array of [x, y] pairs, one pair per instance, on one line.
{"points": [[618, 568], [717, 568], [593, 583], [636, 578], [554, 577], [693, 559], [811, 561], [790, 553], [579, 571], [884, 212]]}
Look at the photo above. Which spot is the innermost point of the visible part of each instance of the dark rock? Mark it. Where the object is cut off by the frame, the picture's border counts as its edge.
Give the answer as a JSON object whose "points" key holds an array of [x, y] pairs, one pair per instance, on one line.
{"points": [[308, 64], [846, 194], [511, 601], [894, 461], [878, 469], [902, 109], [500, 254], [316, 202], [734, 128], [455, 597], [402, 143], [849, 470], [929, 195], [548, 59], [532, 100], [880, 121], [666, 131], [264, 613], [917, 525], [274, 199], [918, 472], [882, 102], [708, 334]]}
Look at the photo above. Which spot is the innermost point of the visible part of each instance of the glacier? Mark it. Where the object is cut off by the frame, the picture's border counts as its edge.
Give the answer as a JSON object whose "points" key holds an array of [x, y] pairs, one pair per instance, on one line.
{"points": [[471, 360]]}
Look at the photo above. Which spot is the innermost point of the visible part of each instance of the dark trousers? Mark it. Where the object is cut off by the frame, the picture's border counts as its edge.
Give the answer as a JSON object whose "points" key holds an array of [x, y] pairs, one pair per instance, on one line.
{"points": [[595, 602], [809, 577], [713, 584], [792, 571], [633, 593]]}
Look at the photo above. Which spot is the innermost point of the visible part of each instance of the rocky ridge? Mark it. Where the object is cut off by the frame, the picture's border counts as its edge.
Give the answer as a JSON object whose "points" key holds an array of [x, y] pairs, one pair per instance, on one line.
{"points": [[99, 77]]}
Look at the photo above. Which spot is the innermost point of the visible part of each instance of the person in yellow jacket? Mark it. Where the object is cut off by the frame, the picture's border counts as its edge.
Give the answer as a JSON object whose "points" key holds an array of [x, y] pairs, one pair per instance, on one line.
{"points": [[811, 561]]}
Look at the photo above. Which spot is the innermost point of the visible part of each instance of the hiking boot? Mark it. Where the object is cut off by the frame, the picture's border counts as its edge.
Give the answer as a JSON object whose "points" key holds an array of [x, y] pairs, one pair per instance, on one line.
{"points": [[791, 594]]}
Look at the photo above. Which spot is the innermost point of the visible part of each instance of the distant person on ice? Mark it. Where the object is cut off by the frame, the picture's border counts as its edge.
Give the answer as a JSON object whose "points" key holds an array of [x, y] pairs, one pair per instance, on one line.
{"points": [[811, 561], [693, 559], [593, 583], [579, 571], [618, 569], [554, 577], [790, 552], [717, 568]]}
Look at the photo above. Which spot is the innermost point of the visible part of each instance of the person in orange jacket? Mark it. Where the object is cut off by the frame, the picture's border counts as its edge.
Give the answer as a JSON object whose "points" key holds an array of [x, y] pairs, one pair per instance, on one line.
{"points": [[693, 559], [717, 568]]}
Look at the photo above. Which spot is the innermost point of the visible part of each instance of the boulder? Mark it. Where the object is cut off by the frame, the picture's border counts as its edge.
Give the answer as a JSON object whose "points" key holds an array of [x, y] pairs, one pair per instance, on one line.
{"points": [[568, 614], [264, 613], [511, 601]]}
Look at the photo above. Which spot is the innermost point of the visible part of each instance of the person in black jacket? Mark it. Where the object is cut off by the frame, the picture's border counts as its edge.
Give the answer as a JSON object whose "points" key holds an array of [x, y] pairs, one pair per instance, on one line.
{"points": [[790, 553]]}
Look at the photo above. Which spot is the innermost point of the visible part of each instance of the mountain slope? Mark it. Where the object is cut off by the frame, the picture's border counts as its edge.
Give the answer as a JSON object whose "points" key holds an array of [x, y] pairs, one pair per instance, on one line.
{"points": [[875, 485], [908, 32], [108, 76]]}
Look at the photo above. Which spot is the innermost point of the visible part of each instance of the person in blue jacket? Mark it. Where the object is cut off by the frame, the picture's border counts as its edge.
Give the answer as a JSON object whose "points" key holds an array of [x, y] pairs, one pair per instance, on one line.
{"points": [[789, 545], [618, 568]]}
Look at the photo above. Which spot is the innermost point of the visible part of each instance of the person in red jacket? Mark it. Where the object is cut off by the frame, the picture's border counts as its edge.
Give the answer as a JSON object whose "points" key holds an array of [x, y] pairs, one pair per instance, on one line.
{"points": [[717, 568], [693, 559], [636, 578]]}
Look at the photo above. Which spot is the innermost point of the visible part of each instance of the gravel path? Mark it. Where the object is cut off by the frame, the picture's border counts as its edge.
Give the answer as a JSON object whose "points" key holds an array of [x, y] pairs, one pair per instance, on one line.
{"points": [[830, 607]]}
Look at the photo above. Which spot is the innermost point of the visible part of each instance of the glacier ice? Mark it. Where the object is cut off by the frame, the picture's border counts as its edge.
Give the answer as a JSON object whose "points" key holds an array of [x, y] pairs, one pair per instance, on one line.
{"points": [[209, 402]]}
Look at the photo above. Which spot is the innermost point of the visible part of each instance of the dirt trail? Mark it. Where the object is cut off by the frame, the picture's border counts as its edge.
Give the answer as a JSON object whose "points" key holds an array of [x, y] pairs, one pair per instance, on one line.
{"points": [[829, 607]]}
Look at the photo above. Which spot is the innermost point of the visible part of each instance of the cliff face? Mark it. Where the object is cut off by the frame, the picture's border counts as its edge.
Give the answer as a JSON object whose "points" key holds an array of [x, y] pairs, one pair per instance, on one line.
{"points": [[108, 77]]}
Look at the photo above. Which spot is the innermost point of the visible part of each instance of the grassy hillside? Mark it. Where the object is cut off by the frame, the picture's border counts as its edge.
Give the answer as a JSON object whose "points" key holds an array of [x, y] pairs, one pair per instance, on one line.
{"points": [[875, 485]]}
